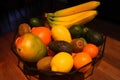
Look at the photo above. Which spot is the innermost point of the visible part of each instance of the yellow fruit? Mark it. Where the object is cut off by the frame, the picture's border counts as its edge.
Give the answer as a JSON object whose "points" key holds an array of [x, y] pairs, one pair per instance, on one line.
{"points": [[76, 9], [61, 33], [68, 21], [62, 62], [44, 63], [73, 16]]}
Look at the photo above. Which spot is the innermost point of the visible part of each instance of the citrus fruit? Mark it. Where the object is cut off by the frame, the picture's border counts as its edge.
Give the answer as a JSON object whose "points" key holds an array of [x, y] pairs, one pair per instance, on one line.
{"points": [[62, 62], [30, 48], [36, 22], [81, 59], [44, 63], [91, 49], [23, 28], [61, 33], [43, 33]]}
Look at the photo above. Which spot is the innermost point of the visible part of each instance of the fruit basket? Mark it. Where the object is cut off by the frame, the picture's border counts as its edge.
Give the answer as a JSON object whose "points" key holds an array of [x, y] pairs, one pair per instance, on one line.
{"points": [[30, 69]]}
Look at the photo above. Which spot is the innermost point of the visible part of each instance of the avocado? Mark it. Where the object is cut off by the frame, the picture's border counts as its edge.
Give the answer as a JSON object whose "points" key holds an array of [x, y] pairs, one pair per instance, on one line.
{"points": [[76, 31], [60, 46], [95, 37]]}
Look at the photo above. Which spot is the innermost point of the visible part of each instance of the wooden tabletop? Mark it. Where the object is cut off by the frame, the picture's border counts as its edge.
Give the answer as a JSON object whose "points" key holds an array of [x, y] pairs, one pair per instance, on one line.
{"points": [[107, 69]]}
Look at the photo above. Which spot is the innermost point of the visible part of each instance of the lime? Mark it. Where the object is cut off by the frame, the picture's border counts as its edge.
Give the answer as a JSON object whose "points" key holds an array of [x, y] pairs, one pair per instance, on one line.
{"points": [[36, 22]]}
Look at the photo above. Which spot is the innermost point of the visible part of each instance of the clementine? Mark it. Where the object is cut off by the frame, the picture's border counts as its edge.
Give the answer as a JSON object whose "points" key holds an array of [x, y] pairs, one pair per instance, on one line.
{"points": [[43, 33], [82, 59], [91, 49]]}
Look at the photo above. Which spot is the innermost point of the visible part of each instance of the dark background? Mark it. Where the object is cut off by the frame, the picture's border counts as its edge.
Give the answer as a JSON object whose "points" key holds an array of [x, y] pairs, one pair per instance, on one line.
{"points": [[12, 12]]}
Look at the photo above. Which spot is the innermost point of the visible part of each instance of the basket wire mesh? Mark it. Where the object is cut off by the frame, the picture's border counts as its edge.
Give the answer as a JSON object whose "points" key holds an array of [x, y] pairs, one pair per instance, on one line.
{"points": [[29, 69]]}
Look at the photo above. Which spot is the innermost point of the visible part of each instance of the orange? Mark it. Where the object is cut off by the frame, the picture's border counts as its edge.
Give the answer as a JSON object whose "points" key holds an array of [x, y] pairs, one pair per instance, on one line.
{"points": [[43, 33], [91, 49], [81, 59]]}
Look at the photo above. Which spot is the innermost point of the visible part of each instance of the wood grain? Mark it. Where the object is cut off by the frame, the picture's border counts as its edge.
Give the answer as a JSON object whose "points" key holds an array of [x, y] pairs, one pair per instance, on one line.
{"points": [[109, 66]]}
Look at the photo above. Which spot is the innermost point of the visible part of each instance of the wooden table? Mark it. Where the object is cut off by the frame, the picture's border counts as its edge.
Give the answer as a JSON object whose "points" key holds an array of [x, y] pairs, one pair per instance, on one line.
{"points": [[107, 69]]}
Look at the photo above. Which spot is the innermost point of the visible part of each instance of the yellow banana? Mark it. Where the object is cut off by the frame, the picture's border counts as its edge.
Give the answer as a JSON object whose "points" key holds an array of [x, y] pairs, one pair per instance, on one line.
{"points": [[76, 9], [84, 18], [71, 17]]}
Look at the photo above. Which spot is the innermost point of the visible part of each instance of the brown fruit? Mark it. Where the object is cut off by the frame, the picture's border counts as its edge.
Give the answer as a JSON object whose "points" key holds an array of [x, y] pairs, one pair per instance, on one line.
{"points": [[77, 44], [44, 63], [23, 28]]}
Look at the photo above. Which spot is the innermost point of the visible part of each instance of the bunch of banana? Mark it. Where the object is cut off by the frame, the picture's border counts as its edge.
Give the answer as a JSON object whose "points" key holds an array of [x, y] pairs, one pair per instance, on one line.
{"points": [[79, 14]]}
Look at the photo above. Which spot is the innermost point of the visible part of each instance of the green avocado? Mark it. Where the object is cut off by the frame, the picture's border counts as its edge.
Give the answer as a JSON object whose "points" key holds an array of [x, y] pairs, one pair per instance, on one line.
{"points": [[76, 31], [94, 37], [60, 46], [34, 22]]}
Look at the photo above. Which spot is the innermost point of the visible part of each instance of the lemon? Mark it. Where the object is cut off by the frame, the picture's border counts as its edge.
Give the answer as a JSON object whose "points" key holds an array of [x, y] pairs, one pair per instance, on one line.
{"points": [[62, 62], [61, 33]]}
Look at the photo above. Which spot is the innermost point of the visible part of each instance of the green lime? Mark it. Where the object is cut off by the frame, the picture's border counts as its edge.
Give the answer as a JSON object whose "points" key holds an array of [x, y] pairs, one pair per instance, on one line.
{"points": [[36, 22]]}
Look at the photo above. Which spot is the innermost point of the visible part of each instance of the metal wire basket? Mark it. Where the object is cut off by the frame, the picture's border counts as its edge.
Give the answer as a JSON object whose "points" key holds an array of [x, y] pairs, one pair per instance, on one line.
{"points": [[30, 69]]}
